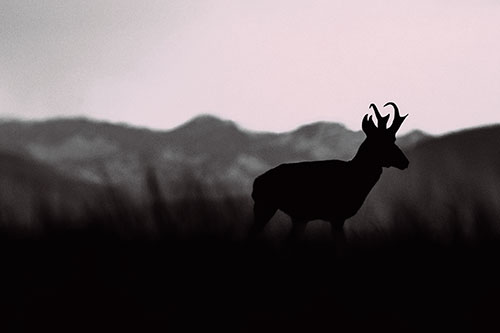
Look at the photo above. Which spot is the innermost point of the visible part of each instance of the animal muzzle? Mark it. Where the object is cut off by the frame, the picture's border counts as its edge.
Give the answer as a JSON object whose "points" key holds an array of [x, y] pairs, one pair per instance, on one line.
{"points": [[404, 165], [399, 159], [402, 162]]}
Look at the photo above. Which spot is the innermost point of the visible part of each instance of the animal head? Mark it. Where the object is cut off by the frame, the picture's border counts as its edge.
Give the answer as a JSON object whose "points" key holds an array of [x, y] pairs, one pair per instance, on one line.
{"points": [[381, 141]]}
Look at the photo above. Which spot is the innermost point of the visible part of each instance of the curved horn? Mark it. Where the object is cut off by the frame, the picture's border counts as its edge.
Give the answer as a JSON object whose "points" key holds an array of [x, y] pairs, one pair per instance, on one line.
{"points": [[368, 125], [382, 121], [398, 120]]}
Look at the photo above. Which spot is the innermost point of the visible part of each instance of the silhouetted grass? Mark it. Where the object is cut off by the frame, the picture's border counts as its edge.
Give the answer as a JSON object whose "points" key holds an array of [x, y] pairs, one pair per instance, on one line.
{"points": [[123, 264]]}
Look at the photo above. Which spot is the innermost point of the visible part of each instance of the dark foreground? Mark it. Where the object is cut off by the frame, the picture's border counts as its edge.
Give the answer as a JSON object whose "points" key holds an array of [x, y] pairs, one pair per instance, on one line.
{"points": [[88, 281]]}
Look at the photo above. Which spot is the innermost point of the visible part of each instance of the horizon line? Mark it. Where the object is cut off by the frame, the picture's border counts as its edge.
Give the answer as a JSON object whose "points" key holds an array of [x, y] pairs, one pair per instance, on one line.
{"points": [[10, 118]]}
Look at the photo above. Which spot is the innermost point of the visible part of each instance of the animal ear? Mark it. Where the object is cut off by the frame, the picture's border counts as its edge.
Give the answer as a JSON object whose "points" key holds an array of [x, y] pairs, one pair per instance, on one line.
{"points": [[368, 125]]}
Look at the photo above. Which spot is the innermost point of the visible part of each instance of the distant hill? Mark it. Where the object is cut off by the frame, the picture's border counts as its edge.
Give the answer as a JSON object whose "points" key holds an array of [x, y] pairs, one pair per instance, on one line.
{"points": [[28, 186], [450, 192], [215, 152]]}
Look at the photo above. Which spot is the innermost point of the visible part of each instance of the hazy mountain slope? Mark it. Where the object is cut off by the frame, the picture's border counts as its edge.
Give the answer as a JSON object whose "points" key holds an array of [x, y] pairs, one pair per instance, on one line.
{"points": [[214, 151], [27, 185], [451, 190]]}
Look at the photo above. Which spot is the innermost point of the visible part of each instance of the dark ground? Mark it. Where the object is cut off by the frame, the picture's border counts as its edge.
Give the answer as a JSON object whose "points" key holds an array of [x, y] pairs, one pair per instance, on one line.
{"points": [[173, 267], [94, 281]]}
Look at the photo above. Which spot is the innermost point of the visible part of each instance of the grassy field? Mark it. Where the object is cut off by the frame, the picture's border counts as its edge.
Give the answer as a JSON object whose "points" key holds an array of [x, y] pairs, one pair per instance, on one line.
{"points": [[185, 265]]}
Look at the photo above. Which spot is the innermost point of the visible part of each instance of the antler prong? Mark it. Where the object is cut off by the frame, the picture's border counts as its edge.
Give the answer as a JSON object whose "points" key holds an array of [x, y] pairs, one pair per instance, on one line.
{"points": [[398, 119], [382, 121]]}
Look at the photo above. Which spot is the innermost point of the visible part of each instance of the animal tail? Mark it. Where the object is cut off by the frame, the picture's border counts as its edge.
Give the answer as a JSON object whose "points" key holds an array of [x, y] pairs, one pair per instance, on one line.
{"points": [[257, 189], [261, 188]]}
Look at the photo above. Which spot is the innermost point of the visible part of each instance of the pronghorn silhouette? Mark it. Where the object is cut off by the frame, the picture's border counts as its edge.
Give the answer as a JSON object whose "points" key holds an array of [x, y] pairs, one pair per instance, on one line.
{"points": [[330, 190]]}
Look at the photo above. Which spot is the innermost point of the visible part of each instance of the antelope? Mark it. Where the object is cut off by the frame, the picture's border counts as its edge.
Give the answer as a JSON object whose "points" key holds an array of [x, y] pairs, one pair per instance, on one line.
{"points": [[329, 190]]}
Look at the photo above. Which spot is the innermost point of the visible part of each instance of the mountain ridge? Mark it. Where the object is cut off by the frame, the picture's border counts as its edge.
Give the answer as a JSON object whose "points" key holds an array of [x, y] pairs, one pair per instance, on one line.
{"points": [[449, 176], [212, 150], [198, 119]]}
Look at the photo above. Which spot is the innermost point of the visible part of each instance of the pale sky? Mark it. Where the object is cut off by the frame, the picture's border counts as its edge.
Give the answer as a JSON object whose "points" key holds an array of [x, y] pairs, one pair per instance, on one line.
{"points": [[269, 65]]}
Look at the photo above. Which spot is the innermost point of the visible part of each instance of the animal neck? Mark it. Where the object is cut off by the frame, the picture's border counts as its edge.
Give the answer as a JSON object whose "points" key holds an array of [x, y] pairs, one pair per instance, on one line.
{"points": [[366, 160]]}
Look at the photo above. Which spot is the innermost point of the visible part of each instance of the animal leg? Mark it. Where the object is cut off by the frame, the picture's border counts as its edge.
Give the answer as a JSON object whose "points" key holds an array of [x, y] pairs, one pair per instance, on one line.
{"points": [[339, 239], [298, 229], [262, 214]]}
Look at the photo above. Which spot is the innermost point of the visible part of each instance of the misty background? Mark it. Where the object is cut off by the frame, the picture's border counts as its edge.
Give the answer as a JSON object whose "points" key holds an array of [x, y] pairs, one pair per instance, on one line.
{"points": [[205, 96], [131, 132], [267, 65]]}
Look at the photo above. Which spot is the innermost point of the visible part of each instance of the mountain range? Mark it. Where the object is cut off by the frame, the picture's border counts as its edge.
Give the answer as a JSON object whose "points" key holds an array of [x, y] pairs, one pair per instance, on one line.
{"points": [[451, 189], [214, 153]]}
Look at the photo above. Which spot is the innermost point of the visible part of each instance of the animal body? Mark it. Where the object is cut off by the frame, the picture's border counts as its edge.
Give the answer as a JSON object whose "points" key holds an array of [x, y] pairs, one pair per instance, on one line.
{"points": [[329, 190]]}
